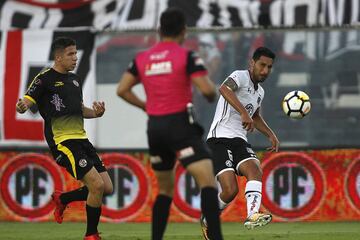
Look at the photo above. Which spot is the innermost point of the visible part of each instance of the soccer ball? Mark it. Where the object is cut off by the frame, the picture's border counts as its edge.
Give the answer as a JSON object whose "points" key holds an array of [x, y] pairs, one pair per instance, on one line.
{"points": [[296, 104]]}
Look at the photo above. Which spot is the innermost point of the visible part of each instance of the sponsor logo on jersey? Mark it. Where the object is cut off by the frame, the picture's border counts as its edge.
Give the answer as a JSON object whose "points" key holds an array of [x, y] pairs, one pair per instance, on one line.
{"points": [[58, 102], [59, 84], [76, 83], [158, 68], [159, 55]]}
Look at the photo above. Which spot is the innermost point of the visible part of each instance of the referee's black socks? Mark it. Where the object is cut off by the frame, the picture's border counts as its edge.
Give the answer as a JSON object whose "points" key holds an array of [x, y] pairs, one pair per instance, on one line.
{"points": [[210, 209], [160, 215]]}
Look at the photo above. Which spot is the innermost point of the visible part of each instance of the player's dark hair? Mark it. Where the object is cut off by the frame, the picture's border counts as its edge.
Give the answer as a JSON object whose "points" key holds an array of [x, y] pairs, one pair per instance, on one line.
{"points": [[61, 43], [172, 22], [263, 51]]}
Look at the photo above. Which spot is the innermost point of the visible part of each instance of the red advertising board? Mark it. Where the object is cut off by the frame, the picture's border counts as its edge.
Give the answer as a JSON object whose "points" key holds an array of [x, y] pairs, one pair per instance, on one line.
{"points": [[297, 186]]}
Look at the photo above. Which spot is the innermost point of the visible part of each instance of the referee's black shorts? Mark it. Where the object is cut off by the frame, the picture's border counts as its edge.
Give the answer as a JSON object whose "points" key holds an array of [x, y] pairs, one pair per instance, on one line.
{"points": [[172, 137], [77, 156]]}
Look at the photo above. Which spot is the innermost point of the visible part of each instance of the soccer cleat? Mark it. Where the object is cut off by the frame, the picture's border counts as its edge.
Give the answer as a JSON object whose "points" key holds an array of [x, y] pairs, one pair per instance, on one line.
{"points": [[257, 220], [95, 236], [204, 228], [59, 207]]}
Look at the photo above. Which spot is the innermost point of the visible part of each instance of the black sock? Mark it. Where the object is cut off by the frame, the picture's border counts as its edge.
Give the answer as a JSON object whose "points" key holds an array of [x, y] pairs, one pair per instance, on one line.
{"points": [[210, 209], [93, 217], [160, 215], [79, 194]]}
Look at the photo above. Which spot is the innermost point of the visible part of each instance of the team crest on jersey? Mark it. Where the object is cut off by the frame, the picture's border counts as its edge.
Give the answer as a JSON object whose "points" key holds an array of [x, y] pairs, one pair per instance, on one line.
{"points": [[76, 83], [249, 108]]}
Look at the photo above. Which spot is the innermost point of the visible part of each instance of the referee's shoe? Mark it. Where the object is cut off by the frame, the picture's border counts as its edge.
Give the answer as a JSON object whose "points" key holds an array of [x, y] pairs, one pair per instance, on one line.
{"points": [[257, 220]]}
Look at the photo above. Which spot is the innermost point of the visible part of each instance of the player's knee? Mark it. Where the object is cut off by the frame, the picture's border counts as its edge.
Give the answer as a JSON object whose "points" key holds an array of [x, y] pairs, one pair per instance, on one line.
{"points": [[108, 189], [97, 187]]}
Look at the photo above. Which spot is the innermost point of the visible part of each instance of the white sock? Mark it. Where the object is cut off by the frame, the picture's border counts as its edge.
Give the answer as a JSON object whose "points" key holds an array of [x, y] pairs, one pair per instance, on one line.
{"points": [[222, 204], [253, 196]]}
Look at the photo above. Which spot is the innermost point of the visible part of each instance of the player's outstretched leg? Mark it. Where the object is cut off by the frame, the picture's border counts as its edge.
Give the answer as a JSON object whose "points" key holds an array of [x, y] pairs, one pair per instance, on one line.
{"points": [[257, 220], [59, 207], [62, 199]]}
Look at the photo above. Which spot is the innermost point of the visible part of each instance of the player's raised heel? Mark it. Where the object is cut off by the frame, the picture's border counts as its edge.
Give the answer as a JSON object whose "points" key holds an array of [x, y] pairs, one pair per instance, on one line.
{"points": [[257, 220], [59, 207], [204, 227], [95, 236]]}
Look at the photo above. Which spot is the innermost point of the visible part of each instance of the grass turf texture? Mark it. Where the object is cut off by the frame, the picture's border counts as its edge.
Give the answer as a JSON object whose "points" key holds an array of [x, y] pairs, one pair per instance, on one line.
{"points": [[182, 231]]}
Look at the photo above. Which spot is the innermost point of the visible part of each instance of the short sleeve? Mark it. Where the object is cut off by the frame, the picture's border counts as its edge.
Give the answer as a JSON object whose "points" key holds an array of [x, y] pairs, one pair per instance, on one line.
{"points": [[195, 65], [132, 68], [239, 78], [35, 90]]}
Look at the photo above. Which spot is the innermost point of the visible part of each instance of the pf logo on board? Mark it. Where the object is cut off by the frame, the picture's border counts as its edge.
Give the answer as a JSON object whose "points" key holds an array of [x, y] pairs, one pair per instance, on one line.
{"points": [[27, 182], [187, 193], [131, 187], [352, 183], [293, 185]]}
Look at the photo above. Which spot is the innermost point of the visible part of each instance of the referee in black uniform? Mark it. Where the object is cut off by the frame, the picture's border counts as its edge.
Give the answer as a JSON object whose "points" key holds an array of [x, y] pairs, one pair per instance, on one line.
{"points": [[58, 95]]}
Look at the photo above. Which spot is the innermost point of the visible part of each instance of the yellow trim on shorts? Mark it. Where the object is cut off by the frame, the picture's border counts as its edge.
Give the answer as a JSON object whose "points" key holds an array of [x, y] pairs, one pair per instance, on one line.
{"points": [[70, 156], [30, 99]]}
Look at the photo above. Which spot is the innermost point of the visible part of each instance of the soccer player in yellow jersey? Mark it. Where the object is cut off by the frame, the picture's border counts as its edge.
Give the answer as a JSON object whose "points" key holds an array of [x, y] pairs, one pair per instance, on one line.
{"points": [[58, 94]]}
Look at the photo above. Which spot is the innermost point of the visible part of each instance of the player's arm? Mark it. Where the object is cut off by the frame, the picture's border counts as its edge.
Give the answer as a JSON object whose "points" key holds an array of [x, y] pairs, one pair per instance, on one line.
{"points": [[97, 110], [262, 126], [227, 90], [32, 95], [125, 90], [195, 68], [24, 104], [205, 86]]}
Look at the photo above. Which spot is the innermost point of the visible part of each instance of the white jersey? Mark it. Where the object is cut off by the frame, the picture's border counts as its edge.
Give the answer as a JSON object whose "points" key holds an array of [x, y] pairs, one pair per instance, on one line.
{"points": [[227, 121]]}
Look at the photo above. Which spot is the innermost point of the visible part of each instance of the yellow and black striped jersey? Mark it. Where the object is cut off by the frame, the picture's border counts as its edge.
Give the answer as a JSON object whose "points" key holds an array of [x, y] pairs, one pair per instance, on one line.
{"points": [[59, 99]]}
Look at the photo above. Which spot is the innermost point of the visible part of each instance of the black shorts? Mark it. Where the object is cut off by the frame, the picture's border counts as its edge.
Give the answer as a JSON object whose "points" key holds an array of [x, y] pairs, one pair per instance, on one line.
{"points": [[78, 156], [229, 153], [173, 137]]}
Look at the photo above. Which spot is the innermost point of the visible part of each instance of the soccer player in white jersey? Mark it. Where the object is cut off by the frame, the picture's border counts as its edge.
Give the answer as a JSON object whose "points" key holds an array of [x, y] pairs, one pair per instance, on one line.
{"points": [[237, 113]]}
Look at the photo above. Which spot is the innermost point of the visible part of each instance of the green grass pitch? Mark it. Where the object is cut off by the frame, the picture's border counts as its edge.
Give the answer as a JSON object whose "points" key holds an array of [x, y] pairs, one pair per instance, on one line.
{"points": [[182, 231]]}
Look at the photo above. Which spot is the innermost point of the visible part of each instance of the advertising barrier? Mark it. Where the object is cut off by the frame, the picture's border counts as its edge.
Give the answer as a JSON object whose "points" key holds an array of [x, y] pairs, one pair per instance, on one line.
{"points": [[319, 185]]}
